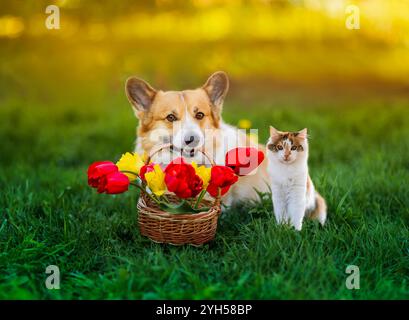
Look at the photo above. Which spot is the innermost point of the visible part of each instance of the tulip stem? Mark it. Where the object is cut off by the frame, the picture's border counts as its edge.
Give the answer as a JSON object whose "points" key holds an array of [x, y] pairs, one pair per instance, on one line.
{"points": [[164, 197], [155, 198], [136, 185], [199, 198], [130, 172], [149, 195], [152, 196]]}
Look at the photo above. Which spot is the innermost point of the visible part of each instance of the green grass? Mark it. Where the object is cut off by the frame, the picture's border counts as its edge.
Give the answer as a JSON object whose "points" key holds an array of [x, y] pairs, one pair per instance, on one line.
{"points": [[359, 162]]}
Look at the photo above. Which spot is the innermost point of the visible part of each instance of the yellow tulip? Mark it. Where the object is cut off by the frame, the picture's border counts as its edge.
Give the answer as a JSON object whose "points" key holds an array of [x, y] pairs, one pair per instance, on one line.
{"points": [[244, 124], [156, 180], [204, 173], [130, 162]]}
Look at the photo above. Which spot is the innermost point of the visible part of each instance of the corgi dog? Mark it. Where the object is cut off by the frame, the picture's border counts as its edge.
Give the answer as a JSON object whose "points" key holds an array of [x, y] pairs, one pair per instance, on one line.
{"points": [[191, 121]]}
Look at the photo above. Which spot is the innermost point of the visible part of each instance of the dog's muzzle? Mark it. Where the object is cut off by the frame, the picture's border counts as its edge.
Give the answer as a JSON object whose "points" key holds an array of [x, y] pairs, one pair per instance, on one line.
{"points": [[184, 152]]}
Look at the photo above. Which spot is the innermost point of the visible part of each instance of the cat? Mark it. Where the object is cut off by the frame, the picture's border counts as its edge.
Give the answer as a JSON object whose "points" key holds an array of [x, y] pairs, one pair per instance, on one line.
{"points": [[293, 193]]}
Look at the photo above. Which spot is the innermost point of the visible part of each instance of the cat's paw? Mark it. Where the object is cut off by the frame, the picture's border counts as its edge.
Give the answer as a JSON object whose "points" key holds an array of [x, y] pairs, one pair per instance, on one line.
{"points": [[297, 224]]}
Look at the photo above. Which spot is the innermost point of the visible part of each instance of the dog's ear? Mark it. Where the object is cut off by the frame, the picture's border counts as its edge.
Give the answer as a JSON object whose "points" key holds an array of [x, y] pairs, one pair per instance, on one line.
{"points": [[140, 94], [216, 88]]}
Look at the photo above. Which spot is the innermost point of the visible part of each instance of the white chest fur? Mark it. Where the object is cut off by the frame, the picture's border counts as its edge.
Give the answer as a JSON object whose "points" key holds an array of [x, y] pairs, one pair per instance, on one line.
{"points": [[289, 190]]}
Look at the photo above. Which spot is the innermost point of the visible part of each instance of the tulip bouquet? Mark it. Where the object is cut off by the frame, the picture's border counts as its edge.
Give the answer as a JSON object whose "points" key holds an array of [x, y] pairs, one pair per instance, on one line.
{"points": [[189, 182]]}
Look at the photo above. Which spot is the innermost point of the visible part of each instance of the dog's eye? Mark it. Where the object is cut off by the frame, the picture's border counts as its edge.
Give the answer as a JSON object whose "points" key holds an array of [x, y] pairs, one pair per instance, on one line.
{"points": [[171, 117], [199, 115], [294, 148], [279, 147]]}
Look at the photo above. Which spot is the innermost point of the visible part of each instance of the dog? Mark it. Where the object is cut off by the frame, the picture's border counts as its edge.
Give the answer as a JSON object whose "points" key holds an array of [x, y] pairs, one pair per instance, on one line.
{"points": [[191, 121]]}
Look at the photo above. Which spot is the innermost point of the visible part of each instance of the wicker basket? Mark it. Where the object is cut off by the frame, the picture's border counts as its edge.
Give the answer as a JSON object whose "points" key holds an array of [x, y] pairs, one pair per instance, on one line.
{"points": [[177, 229]]}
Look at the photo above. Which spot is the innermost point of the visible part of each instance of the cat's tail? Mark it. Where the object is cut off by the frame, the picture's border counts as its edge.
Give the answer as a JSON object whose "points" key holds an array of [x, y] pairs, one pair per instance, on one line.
{"points": [[320, 211]]}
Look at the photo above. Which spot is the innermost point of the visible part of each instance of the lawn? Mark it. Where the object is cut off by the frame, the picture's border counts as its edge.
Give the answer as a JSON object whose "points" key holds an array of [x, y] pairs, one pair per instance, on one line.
{"points": [[359, 161]]}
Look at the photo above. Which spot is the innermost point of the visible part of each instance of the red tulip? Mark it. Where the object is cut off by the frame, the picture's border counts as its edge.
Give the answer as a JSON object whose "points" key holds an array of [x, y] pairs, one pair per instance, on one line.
{"points": [[181, 179], [145, 169], [244, 160], [196, 185], [114, 182], [213, 190], [222, 178], [99, 169]]}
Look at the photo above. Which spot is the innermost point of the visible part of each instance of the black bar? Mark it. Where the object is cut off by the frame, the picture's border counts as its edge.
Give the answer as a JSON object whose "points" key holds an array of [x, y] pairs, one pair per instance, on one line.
{"points": [[206, 309]]}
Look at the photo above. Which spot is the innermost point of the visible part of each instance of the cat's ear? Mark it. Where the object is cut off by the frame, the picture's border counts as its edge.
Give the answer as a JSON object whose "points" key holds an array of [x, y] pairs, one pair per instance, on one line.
{"points": [[274, 133], [302, 134]]}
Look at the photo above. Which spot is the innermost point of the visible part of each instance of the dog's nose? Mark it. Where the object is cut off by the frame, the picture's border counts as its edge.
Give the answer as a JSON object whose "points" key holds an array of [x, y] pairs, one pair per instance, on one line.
{"points": [[191, 139]]}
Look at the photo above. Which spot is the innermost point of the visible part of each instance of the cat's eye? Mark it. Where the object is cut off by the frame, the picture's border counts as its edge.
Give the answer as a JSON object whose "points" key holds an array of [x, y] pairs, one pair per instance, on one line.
{"points": [[199, 115], [171, 117], [280, 147], [294, 148]]}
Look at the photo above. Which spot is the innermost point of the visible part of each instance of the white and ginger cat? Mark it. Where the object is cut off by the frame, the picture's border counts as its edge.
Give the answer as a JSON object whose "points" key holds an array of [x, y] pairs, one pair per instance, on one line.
{"points": [[293, 193]]}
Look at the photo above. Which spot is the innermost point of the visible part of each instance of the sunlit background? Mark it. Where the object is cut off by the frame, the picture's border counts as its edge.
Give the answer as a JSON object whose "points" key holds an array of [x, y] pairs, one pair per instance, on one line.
{"points": [[278, 54], [267, 45]]}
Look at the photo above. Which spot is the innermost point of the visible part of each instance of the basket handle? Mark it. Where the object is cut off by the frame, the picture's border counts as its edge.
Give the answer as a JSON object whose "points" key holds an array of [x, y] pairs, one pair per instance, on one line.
{"points": [[157, 149]]}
